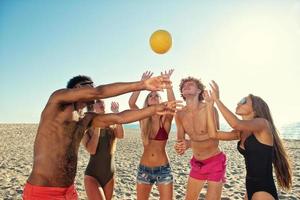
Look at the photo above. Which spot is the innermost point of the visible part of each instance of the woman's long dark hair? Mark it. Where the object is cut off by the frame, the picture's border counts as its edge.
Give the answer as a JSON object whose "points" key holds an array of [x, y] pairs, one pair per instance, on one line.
{"points": [[281, 161]]}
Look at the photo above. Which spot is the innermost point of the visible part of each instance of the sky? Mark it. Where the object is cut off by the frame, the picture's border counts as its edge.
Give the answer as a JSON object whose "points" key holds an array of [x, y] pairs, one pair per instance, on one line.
{"points": [[245, 46]]}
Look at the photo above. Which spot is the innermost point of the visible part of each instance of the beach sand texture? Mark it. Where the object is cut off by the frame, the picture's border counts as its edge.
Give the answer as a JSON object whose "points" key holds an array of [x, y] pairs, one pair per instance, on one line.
{"points": [[16, 154]]}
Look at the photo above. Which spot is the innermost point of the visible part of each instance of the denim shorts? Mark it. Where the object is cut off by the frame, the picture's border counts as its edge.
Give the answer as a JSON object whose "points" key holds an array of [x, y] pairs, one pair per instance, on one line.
{"points": [[157, 175]]}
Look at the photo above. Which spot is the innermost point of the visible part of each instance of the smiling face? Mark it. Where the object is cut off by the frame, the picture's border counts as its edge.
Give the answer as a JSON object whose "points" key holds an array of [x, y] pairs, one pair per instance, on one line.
{"points": [[153, 98]]}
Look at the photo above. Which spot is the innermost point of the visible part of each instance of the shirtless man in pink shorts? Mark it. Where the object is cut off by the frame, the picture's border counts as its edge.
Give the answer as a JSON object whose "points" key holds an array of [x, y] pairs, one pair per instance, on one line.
{"points": [[208, 163]]}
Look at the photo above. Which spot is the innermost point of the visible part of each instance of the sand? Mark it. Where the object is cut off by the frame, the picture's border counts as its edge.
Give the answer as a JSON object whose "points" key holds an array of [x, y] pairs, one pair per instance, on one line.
{"points": [[16, 150]]}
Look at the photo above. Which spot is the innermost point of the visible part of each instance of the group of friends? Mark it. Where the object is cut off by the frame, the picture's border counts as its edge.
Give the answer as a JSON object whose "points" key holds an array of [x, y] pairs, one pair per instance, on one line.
{"points": [[76, 115]]}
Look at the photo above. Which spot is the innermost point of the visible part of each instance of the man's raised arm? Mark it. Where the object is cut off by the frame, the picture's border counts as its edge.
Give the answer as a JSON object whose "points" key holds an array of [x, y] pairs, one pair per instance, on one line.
{"points": [[109, 90], [128, 116]]}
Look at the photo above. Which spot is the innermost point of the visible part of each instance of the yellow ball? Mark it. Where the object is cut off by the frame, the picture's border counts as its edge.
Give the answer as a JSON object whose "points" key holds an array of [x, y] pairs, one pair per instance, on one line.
{"points": [[160, 41]]}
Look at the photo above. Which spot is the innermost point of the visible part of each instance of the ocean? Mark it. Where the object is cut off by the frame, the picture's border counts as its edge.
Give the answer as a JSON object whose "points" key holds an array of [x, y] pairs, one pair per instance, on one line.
{"points": [[288, 131]]}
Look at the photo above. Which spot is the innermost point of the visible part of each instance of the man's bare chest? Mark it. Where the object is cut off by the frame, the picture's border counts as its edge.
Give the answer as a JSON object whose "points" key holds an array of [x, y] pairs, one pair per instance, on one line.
{"points": [[194, 123]]}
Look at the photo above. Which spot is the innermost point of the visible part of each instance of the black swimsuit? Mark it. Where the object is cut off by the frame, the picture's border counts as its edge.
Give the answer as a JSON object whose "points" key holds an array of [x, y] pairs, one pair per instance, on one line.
{"points": [[101, 165], [258, 160]]}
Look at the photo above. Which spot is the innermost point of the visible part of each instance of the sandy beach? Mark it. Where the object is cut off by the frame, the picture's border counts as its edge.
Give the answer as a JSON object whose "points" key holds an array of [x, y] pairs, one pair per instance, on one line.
{"points": [[16, 154]]}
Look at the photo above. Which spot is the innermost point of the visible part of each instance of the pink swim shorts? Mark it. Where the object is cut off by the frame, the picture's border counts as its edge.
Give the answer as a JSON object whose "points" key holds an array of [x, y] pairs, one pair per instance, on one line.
{"points": [[210, 169]]}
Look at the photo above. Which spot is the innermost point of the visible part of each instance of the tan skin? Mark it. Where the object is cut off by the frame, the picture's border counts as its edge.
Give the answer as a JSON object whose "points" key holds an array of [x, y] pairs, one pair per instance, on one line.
{"points": [[59, 133], [154, 153], [243, 128], [192, 120], [90, 141]]}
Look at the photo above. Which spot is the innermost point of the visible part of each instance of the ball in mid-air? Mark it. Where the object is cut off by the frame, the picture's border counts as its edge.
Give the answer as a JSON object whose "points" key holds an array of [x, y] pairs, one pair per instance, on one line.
{"points": [[160, 41]]}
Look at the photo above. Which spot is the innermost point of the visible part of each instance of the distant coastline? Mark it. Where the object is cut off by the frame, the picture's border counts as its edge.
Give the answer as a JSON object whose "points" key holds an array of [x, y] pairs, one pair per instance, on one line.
{"points": [[290, 131]]}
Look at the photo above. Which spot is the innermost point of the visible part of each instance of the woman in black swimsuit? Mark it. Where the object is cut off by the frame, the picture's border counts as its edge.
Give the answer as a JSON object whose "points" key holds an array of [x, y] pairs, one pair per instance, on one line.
{"points": [[259, 143], [100, 143]]}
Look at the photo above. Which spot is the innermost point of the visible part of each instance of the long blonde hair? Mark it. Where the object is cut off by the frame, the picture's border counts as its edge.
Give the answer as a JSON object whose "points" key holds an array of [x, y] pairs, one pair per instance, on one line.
{"points": [[146, 124], [281, 161]]}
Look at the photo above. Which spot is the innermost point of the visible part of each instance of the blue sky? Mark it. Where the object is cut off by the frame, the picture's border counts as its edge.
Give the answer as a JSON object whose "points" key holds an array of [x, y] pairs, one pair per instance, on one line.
{"points": [[247, 47]]}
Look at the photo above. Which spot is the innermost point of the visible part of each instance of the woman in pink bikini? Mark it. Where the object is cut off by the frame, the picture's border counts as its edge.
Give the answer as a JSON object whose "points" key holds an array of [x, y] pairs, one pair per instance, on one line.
{"points": [[154, 166]]}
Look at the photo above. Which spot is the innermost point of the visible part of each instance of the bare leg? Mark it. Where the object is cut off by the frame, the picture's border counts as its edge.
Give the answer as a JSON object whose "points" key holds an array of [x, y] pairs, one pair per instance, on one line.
{"points": [[262, 195], [214, 190], [193, 189], [165, 191], [109, 188], [92, 189], [143, 191]]}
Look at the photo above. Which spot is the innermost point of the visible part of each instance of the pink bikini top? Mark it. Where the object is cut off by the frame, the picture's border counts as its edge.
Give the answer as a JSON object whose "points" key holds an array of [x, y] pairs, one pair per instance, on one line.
{"points": [[161, 133]]}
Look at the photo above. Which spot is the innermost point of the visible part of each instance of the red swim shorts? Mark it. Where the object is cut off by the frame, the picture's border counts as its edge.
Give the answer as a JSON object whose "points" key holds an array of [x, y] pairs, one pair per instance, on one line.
{"points": [[32, 192], [210, 169]]}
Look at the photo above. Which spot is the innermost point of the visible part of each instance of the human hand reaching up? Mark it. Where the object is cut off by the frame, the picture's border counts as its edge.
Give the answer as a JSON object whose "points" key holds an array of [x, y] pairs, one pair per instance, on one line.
{"points": [[167, 73], [146, 75], [158, 83], [215, 94], [114, 107]]}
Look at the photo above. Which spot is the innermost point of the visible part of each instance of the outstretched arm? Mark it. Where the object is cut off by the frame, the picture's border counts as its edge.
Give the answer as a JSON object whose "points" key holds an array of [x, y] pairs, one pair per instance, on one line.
{"points": [[254, 125], [90, 140], [211, 122], [128, 116], [170, 92], [118, 129], [134, 96], [170, 96], [109, 90]]}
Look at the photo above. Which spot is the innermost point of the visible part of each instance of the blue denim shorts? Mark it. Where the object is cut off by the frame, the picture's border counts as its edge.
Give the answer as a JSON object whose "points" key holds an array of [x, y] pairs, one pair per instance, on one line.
{"points": [[157, 175]]}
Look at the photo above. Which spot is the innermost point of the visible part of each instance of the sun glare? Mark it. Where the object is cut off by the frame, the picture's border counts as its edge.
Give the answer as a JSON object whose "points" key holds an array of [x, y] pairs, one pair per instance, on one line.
{"points": [[250, 50]]}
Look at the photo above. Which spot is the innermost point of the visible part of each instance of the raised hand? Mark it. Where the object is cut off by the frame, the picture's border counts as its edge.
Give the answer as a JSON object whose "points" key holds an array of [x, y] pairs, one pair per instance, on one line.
{"points": [[208, 98], [114, 107], [167, 73], [146, 75], [158, 83], [168, 108], [215, 90]]}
